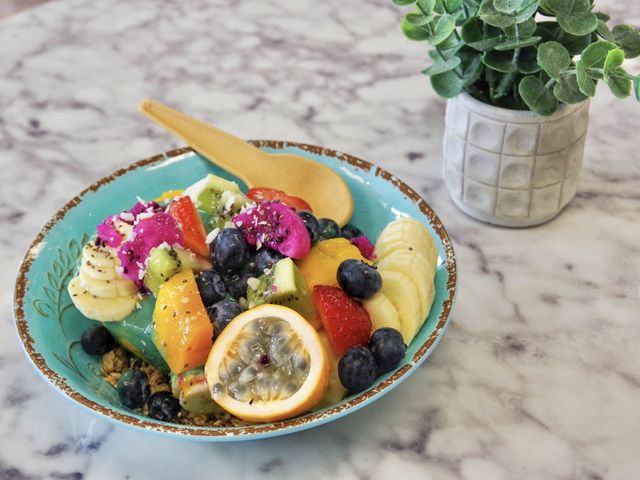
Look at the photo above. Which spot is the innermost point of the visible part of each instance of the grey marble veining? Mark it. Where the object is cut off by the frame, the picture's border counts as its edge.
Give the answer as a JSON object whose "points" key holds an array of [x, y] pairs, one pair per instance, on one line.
{"points": [[539, 374]]}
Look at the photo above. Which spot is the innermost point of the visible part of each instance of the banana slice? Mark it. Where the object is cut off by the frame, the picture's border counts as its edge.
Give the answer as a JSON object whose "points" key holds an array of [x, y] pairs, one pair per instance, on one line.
{"points": [[99, 256], [382, 312], [404, 296], [414, 265], [98, 272], [97, 288], [408, 234], [123, 228], [335, 391], [125, 287], [101, 309]]}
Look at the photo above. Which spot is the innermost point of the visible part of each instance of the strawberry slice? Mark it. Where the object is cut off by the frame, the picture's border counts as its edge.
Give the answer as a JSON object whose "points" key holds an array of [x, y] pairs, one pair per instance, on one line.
{"points": [[193, 230], [346, 322], [264, 194]]}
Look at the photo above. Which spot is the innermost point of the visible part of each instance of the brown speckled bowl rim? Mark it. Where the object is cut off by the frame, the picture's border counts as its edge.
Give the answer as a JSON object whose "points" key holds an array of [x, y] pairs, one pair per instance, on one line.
{"points": [[251, 431]]}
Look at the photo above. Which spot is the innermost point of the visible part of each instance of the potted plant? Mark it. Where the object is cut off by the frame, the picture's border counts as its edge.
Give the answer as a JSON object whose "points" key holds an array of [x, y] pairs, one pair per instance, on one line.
{"points": [[518, 75]]}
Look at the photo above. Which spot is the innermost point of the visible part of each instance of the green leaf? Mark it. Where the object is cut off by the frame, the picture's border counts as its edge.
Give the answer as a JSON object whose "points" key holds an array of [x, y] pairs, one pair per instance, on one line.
{"points": [[573, 43], [413, 32], [418, 20], [537, 97], [524, 29], [528, 61], [567, 7], [553, 58], [603, 16], [471, 30], [447, 84], [507, 6], [442, 66], [452, 6], [444, 26], [485, 45], [595, 54], [585, 83], [628, 37], [615, 58], [505, 85], [404, 2], [472, 72], [619, 82], [512, 44], [567, 91], [529, 9], [636, 87], [426, 6], [490, 15], [578, 24], [500, 61], [603, 31]]}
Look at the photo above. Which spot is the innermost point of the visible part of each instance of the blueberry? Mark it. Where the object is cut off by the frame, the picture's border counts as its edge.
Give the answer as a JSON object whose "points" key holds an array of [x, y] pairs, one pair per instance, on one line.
{"points": [[328, 229], [237, 284], [388, 348], [222, 313], [313, 227], [133, 388], [358, 279], [211, 287], [357, 369], [229, 251], [162, 406], [265, 259], [349, 231], [97, 340]]}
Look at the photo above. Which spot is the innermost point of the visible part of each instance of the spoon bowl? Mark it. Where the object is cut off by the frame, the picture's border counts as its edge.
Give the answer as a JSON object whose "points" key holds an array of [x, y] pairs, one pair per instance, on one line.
{"points": [[324, 189]]}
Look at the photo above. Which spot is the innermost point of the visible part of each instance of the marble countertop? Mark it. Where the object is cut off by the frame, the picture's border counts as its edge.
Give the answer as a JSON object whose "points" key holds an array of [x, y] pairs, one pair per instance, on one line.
{"points": [[538, 376]]}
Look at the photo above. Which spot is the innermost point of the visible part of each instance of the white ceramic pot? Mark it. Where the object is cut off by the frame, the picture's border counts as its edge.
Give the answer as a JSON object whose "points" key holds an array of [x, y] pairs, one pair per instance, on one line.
{"points": [[512, 167]]}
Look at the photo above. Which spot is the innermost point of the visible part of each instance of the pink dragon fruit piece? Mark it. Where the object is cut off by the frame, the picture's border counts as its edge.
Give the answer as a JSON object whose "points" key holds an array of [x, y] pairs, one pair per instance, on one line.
{"points": [[276, 226], [365, 246], [147, 234], [108, 234]]}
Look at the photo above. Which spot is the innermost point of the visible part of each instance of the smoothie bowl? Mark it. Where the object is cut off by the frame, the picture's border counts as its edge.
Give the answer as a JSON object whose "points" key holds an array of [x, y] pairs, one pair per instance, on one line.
{"points": [[169, 298]]}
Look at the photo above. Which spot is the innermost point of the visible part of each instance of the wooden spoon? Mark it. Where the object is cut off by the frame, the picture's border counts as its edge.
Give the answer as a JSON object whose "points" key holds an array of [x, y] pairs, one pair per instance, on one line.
{"points": [[323, 188]]}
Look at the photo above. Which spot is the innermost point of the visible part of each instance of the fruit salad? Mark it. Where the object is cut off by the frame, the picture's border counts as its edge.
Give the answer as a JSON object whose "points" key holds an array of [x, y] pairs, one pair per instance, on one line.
{"points": [[215, 304]]}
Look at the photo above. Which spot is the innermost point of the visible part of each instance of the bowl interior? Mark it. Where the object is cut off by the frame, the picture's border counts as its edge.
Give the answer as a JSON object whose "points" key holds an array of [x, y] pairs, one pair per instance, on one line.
{"points": [[50, 327]]}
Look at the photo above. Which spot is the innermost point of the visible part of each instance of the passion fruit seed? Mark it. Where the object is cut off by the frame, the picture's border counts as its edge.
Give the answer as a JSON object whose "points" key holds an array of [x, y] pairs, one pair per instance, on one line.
{"points": [[266, 362]]}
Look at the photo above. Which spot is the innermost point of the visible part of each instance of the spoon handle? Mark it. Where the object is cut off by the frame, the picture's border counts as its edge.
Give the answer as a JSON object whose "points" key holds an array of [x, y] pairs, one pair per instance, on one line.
{"points": [[219, 147]]}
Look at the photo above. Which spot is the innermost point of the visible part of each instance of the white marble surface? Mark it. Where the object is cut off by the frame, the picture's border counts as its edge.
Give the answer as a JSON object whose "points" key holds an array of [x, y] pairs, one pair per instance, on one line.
{"points": [[537, 378]]}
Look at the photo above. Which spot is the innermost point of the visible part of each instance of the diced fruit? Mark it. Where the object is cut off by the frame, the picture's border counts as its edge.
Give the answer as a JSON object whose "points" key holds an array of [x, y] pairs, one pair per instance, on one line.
{"points": [[163, 407], [388, 349], [365, 246], [168, 195], [285, 285], [207, 194], [335, 391], [211, 287], [97, 308], [135, 333], [328, 229], [271, 194], [265, 259], [182, 329], [97, 340], [382, 312], [358, 279], [267, 365], [346, 322], [229, 251], [221, 314], [188, 259], [349, 231], [276, 226], [313, 227], [320, 267], [193, 231], [237, 284], [133, 388], [192, 391], [404, 296], [162, 263], [357, 369]]}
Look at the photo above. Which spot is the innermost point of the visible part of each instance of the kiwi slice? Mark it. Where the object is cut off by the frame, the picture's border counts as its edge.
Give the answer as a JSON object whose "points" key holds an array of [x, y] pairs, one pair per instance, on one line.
{"points": [[284, 285], [161, 265]]}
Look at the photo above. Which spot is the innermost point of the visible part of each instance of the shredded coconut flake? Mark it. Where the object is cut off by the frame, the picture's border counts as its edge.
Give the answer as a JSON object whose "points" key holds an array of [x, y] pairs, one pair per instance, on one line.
{"points": [[211, 236], [253, 283], [144, 215], [127, 216]]}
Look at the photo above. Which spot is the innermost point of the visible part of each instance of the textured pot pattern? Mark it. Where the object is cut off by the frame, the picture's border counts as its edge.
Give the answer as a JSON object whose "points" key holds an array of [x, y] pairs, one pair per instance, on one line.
{"points": [[511, 167]]}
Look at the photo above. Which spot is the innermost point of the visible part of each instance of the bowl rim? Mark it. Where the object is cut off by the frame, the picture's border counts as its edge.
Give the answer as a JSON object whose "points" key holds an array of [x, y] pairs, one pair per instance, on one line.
{"points": [[248, 432]]}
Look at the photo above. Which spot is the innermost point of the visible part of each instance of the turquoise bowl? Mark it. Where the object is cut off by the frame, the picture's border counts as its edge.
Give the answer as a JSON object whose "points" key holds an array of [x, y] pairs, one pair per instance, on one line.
{"points": [[49, 327]]}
